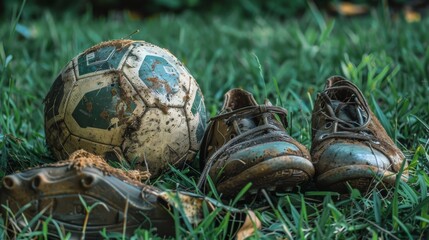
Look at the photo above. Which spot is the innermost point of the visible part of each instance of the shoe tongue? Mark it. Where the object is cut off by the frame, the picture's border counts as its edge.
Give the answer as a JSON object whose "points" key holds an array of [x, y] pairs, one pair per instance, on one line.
{"points": [[246, 124], [238, 99], [349, 112]]}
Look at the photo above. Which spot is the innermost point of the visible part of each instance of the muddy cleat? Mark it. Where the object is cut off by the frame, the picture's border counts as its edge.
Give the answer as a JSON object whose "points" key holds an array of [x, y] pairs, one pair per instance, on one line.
{"points": [[84, 196], [348, 142], [247, 143]]}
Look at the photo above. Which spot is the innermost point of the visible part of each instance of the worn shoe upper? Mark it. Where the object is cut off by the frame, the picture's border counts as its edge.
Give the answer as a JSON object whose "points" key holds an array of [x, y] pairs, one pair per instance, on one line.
{"points": [[348, 142], [247, 143], [84, 195]]}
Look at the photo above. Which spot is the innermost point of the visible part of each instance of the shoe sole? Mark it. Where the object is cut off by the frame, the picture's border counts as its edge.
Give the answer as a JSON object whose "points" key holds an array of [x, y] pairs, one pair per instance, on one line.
{"points": [[280, 174], [357, 176], [59, 192]]}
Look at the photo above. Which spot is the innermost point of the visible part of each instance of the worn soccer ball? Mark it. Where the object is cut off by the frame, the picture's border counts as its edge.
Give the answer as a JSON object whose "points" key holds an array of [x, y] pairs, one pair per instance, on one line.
{"points": [[126, 100]]}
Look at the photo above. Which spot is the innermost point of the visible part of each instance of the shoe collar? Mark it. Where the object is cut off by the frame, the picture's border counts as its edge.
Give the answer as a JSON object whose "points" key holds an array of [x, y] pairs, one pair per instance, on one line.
{"points": [[237, 98]]}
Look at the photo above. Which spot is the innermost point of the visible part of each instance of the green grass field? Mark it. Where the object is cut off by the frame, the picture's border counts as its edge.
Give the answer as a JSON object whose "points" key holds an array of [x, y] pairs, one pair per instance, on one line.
{"points": [[286, 61]]}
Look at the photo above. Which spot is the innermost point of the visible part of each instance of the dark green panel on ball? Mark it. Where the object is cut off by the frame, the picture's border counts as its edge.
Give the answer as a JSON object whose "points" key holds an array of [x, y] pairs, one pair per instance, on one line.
{"points": [[159, 75], [54, 98], [104, 58], [199, 108], [104, 108]]}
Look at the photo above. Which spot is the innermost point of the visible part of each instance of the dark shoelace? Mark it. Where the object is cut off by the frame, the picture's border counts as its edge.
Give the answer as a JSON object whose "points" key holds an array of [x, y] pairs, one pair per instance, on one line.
{"points": [[348, 122]]}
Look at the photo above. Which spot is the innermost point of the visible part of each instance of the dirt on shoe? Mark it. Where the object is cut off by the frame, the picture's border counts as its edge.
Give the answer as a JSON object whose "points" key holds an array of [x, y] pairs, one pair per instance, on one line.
{"points": [[247, 143], [84, 195], [81, 159], [349, 145]]}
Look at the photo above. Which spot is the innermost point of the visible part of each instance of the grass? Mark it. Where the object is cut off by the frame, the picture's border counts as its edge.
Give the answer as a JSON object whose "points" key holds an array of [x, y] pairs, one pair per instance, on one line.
{"points": [[286, 61]]}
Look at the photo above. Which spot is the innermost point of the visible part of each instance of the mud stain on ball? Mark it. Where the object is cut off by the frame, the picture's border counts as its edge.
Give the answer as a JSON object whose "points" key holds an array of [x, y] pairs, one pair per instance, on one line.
{"points": [[160, 105]]}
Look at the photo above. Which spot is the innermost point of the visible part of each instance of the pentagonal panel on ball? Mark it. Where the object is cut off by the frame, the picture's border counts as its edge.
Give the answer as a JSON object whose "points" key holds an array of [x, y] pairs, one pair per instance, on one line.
{"points": [[101, 58], [196, 115], [101, 107], [157, 75]]}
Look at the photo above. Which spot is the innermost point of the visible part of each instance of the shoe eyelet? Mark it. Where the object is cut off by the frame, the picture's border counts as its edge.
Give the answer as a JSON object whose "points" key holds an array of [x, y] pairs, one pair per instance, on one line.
{"points": [[323, 136], [328, 125]]}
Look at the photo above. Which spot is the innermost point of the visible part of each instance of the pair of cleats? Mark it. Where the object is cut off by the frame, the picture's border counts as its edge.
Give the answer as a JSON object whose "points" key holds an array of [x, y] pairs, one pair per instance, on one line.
{"points": [[246, 143]]}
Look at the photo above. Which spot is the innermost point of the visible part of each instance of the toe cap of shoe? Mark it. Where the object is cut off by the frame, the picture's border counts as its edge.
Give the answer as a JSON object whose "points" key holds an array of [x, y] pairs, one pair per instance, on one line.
{"points": [[348, 154]]}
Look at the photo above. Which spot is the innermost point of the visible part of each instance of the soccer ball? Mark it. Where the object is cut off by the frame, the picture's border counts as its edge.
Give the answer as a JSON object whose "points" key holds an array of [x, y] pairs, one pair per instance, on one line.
{"points": [[126, 100]]}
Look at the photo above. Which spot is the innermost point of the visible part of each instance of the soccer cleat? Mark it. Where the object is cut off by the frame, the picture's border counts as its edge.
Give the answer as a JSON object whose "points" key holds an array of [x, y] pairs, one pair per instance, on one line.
{"points": [[247, 143], [348, 142], [84, 196]]}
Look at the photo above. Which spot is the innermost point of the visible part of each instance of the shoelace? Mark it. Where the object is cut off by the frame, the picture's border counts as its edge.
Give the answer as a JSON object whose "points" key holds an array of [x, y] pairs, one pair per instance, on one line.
{"points": [[232, 117], [358, 102]]}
